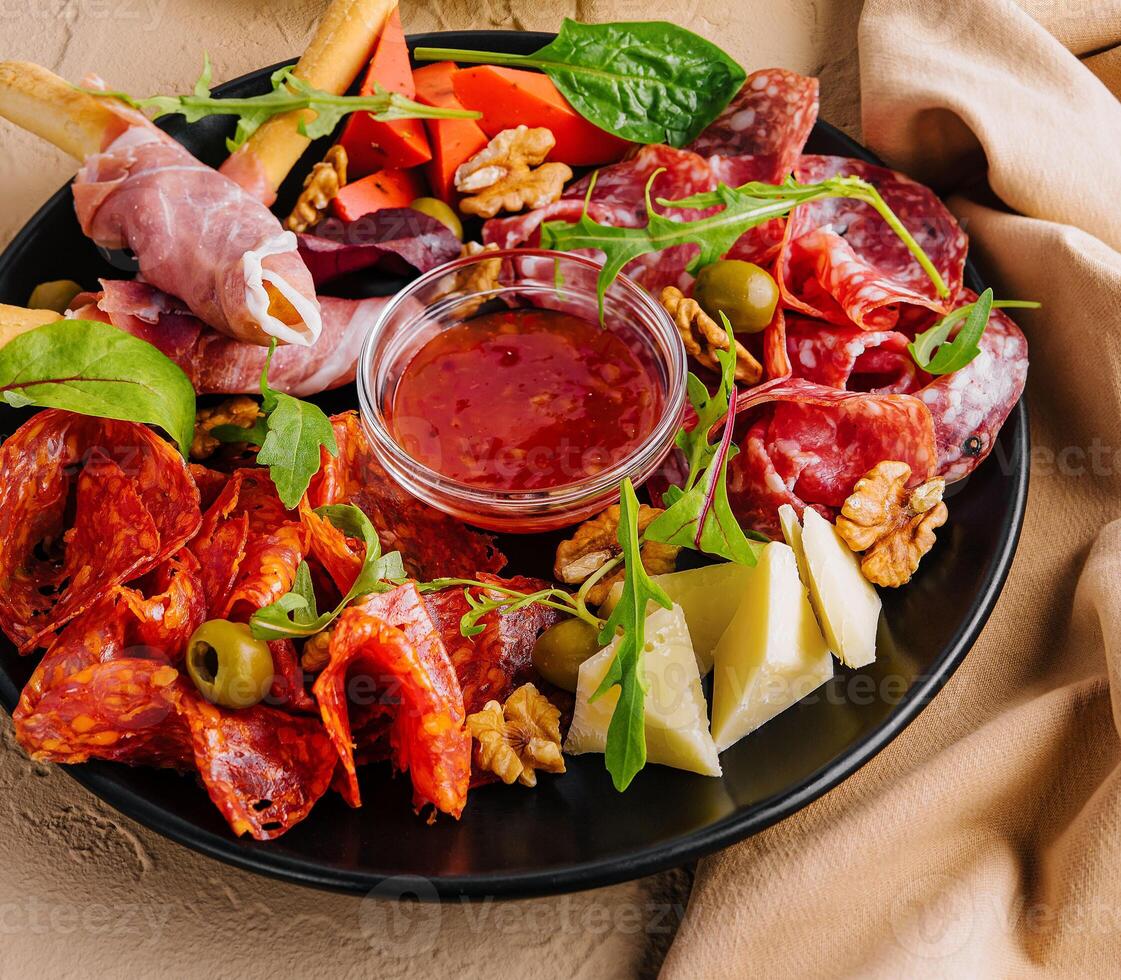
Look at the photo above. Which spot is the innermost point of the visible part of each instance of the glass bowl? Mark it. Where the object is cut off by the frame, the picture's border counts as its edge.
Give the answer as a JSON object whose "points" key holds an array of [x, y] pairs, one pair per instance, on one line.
{"points": [[536, 279]]}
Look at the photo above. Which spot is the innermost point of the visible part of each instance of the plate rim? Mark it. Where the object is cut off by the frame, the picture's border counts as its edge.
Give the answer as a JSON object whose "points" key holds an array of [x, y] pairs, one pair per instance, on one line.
{"points": [[97, 777]]}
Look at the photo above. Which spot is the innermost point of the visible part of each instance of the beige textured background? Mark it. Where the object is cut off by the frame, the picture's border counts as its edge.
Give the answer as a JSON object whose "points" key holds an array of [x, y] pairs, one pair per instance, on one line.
{"points": [[85, 892]]}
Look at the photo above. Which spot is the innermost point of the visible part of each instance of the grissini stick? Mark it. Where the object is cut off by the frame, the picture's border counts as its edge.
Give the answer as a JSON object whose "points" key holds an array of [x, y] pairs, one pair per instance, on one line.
{"points": [[196, 234], [15, 320], [341, 48], [39, 101]]}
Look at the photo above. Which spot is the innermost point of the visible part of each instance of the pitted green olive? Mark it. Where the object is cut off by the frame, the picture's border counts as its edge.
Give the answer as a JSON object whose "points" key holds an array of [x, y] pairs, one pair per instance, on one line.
{"points": [[228, 664], [444, 213], [561, 649], [744, 293]]}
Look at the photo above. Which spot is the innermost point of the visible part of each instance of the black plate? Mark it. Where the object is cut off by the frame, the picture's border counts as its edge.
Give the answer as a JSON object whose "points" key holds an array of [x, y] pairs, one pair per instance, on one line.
{"points": [[575, 831]]}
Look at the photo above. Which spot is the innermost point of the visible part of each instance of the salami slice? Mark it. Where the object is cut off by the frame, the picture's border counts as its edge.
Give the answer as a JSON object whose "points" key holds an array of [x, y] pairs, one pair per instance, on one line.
{"points": [[432, 544], [263, 768], [152, 619], [249, 546], [132, 500], [841, 262], [120, 710], [332, 549], [618, 199], [761, 132], [287, 690], [813, 443], [491, 664], [391, 645], [970, 405], [851, 358]]}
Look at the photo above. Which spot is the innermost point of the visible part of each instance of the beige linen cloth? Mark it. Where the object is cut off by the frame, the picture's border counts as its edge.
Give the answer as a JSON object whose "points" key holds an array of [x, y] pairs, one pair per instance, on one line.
{"points": [[986, 840]]}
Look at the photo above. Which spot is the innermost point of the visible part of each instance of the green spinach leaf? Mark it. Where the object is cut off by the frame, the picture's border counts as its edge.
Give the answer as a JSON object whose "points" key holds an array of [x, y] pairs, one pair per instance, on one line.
{"points": [[646, 81], [95, 369]]}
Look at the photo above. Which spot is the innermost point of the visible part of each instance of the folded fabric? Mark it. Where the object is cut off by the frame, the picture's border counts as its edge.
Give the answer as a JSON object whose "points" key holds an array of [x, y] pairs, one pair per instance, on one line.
{"points": [[984, 841]]}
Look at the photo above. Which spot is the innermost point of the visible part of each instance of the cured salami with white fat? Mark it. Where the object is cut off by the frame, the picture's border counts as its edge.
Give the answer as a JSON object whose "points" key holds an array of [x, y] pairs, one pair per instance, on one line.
{"points": [[618, 199], [811, 443], [197, 234], [840, 261], [763, 129]]}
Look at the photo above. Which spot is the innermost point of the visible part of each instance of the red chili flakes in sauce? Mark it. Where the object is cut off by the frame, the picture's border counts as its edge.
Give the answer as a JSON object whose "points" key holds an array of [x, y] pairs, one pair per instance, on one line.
{"points": [[524, 400]]}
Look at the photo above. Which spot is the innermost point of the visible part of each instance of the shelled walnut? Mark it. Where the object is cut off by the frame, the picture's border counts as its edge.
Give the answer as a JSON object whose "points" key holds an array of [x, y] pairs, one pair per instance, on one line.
{"points": [[509, 174], [893, 526], [596, 542], [703, 336], [518, 738]]}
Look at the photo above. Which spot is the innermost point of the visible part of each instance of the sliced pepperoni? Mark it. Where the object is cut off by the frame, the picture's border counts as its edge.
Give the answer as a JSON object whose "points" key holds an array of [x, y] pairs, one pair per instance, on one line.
{"points": [[491, 664], [249, 546], [262, 767], [387, 651], [85, 504], [121, 710]]}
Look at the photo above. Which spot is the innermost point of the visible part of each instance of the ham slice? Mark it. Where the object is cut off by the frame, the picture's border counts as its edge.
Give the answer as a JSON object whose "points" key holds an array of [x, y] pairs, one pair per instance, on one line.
{"points": [[198, 235], [217, 364]]}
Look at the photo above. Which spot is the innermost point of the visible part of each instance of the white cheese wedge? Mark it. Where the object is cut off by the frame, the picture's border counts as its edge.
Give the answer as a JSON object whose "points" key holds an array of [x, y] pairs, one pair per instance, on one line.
{"points": [[846, 603], [709, 598], [772, 654], [677, 731]]}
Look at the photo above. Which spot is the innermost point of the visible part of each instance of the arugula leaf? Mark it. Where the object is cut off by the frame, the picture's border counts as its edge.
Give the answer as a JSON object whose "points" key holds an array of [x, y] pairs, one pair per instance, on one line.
{"points": [[303, 587], [295, 614], [646, 81], [295, 432], [743, 208], [503, 599], [289, 94], [699, 514], [935, 356], [625, 751], [95, 369]]}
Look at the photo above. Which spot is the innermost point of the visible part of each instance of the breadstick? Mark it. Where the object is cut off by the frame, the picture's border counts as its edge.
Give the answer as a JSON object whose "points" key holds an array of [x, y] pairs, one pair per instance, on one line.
{"points": [[341, 48], [15, 320], [42, 103]]}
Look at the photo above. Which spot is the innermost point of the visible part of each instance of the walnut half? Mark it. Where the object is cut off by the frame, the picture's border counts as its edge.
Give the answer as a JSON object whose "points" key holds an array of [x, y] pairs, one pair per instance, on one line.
{"points": [[893, 526], [518, 738], [702, 336], [596, 542], [321, 187], [510, 174]]}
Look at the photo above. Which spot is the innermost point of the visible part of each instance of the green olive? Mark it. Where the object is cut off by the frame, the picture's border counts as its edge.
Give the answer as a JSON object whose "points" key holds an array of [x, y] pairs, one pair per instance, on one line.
{"points": [[228, 664], [561, 649], [435, 208], [56, 295], [746, 294]]}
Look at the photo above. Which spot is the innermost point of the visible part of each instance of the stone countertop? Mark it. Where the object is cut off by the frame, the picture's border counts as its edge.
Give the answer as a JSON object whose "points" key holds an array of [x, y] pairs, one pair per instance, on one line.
{"points": [[87, 892]]}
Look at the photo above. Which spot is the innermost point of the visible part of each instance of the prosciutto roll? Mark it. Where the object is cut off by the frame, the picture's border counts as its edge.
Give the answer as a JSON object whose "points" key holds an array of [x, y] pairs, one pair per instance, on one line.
{"points": [[198, 235], [220, 365]]}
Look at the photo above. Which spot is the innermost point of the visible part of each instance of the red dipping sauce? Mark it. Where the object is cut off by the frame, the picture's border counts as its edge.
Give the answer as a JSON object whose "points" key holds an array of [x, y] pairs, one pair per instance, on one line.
{"points": [[522, 400]]}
